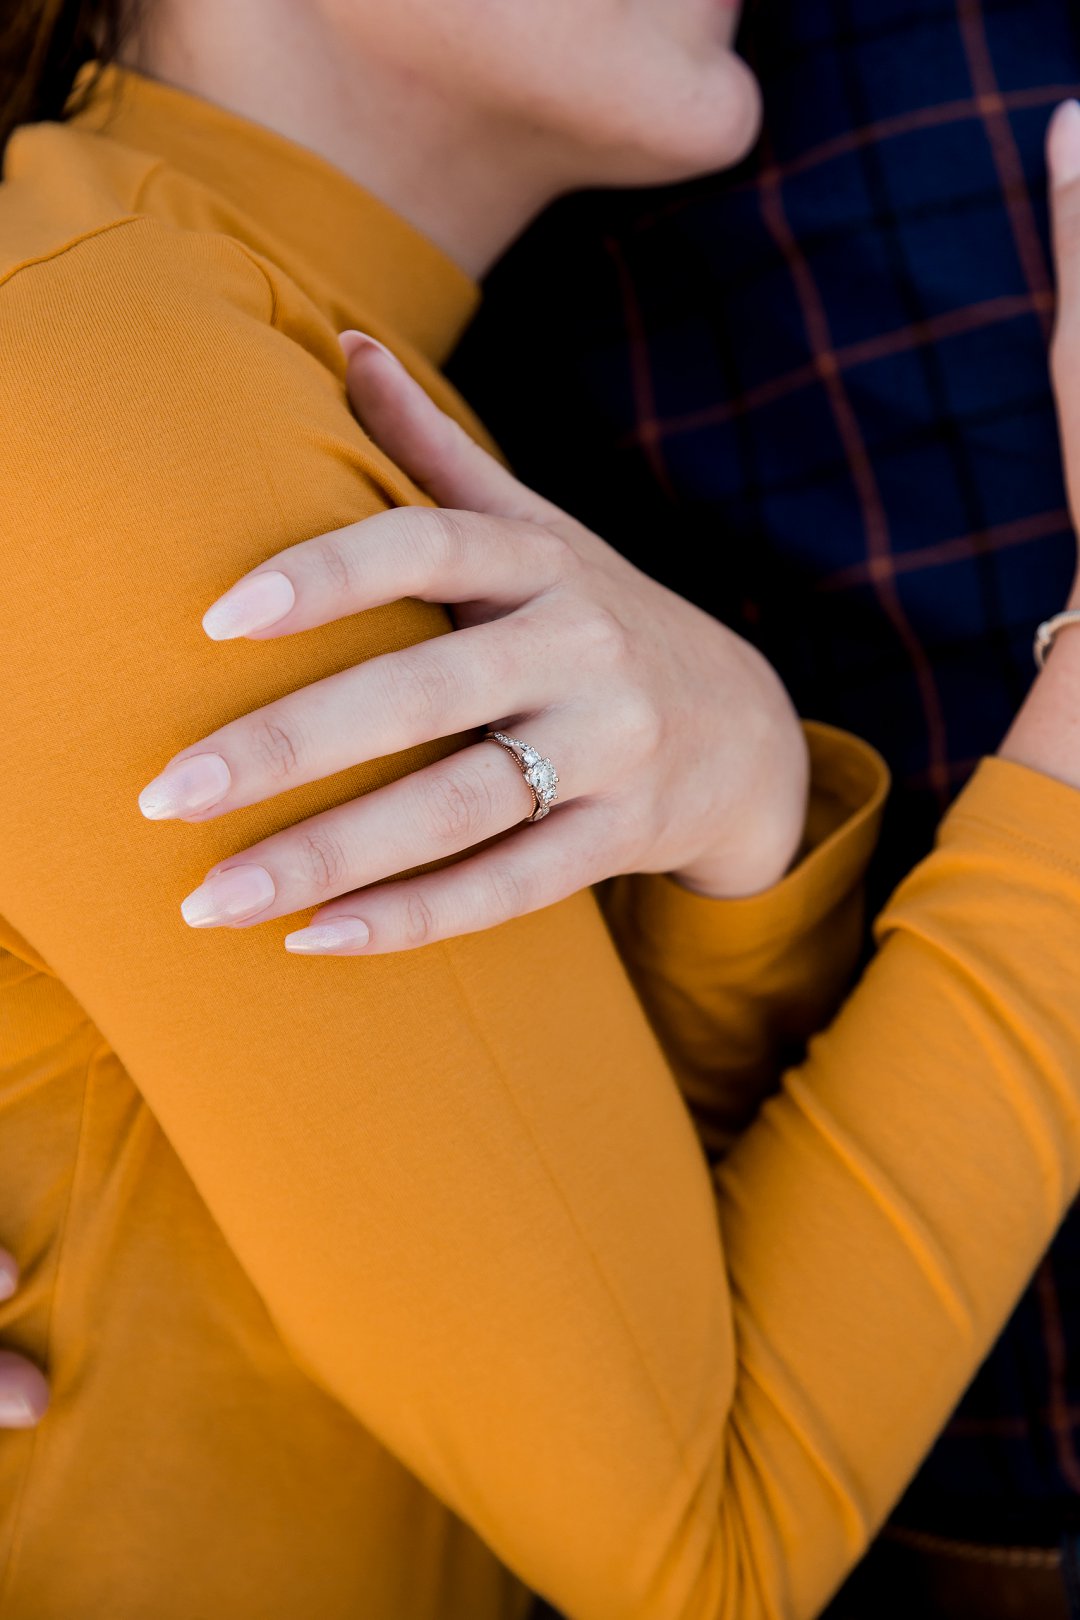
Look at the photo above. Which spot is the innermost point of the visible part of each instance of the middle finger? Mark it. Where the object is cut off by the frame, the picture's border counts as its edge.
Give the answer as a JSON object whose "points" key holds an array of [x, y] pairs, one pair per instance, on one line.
{"points": [[436, 689]]}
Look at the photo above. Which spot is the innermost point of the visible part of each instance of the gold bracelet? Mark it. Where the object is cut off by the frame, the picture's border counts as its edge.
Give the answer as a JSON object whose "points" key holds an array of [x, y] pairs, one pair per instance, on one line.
{"points": [[1046, 634]]}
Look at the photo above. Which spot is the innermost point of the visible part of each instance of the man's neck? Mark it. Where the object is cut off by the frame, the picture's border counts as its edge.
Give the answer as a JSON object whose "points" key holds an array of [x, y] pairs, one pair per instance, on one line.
{"points": [[467, 185]]}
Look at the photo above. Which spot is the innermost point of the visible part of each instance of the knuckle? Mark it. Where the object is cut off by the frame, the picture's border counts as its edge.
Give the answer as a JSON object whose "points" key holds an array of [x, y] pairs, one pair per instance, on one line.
{"points": [[418, 919], [274, 747], [604, 636], [510, 895], [450, 536], [563, 559], [640, 724], [437, 537], [321, 860], [457, 807], [419, 686], [335, 563]]}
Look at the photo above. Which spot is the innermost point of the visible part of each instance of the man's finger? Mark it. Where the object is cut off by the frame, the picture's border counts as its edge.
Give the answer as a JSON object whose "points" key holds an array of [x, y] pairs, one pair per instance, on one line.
{"points": [[1063, 159], [435, 452]]}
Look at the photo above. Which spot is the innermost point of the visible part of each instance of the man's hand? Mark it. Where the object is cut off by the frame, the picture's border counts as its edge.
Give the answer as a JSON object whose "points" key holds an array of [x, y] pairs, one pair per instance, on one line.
{"points": [[1046, 733], [1063, 155]]}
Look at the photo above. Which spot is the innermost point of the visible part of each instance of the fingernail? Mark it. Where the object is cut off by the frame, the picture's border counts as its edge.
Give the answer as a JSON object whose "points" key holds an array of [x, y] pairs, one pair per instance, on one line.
{"points": [[325, 939], [18, 1411], [1063, 143], [357, 342], [9, 1279], [255, 604], [185, 786], [229, 897]]}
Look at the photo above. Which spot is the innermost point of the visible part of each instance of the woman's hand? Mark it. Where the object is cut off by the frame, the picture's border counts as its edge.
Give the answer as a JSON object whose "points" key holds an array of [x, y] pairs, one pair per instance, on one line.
{"points": [[24, 1394], [676, 746]]}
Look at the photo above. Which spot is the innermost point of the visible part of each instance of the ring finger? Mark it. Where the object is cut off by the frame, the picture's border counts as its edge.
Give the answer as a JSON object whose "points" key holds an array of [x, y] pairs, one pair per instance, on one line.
{"points": [[436, 813]]}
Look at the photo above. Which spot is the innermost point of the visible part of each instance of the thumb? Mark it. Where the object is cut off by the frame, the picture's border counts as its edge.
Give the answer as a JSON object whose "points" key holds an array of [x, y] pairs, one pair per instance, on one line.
{"points": [[1063, 161], [427, 444], [24, 1394]]}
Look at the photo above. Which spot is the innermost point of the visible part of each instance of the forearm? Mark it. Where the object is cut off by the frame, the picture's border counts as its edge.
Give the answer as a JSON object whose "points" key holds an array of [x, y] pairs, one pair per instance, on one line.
{"points": [[885, 1211]]}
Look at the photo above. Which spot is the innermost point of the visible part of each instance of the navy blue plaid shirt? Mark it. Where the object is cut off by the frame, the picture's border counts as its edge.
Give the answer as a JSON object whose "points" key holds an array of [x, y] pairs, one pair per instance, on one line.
{"points": [[812, 395]]}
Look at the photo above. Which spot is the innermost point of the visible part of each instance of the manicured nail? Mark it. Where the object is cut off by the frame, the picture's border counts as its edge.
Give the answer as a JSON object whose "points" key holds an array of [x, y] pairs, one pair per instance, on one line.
{"points": [[229, 897], [185, 786], [255, 604], [17, 1411], [357, 342], [1063, 143], [9, 1279], [344, 934]]}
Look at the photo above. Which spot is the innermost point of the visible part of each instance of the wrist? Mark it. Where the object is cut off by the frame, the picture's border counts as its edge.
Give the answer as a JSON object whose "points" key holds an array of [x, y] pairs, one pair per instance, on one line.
{"points": [[1045, 735], [767, 833]]}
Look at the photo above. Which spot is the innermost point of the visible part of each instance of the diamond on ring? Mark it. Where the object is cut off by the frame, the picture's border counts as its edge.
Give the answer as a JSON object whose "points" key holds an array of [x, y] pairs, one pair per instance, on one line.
{"points": [[539, 773]]}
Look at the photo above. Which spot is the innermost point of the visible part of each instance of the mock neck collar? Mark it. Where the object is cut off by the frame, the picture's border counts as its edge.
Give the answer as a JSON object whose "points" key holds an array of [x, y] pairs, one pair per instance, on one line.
{"points": [[351, 251]]}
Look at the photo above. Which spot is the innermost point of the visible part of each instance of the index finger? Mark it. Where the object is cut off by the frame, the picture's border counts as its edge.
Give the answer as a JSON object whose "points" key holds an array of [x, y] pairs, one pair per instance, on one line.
{"points": [[419, 551]]}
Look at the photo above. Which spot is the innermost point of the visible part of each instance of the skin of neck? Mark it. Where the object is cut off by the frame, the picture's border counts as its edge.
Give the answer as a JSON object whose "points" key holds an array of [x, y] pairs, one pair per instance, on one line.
{"points": [[467, 179]]}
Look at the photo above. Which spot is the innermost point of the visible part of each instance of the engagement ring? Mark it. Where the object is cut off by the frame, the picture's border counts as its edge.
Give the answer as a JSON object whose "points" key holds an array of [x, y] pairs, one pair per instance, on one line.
{"points": [[539, 773]]}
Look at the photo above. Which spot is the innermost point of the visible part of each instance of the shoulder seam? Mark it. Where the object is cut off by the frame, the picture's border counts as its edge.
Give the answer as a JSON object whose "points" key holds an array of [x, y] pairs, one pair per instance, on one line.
{"points": [[257, 264], [144, 184], [162, 167], [66, 247], [50, 257]]}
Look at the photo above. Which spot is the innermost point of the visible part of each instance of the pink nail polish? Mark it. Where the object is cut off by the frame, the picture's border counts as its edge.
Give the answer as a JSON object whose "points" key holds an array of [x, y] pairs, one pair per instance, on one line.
{"points": [[9, 1280], [16, 1412], [342, 936], [229, 897], [255, 603], [24, 1394], [186, 786], [354, 343]]}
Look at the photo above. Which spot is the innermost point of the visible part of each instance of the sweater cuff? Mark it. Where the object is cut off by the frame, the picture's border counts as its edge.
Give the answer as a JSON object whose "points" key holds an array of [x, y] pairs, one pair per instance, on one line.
{"points": [[1013, 804], [848, 784]]}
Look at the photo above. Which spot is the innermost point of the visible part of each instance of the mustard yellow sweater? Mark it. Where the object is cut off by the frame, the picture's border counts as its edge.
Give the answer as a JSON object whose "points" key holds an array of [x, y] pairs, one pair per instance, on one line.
{"points": [[377, 1288]]}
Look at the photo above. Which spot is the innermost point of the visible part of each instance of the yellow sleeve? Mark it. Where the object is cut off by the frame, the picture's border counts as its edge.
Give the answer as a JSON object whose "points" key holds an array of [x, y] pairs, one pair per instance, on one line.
{"points": [[463, 1179], [734, 989]]}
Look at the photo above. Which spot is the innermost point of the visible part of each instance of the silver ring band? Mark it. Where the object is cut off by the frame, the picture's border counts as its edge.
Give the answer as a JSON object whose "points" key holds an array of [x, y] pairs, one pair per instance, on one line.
{"points": [[539, 773]]}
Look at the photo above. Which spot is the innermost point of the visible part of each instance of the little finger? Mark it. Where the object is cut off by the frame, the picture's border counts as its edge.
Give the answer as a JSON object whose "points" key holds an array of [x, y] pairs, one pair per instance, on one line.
{"points": [[534, 867]]}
